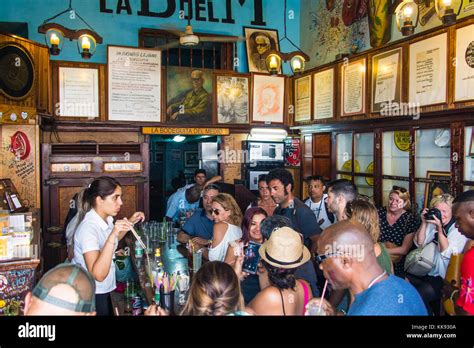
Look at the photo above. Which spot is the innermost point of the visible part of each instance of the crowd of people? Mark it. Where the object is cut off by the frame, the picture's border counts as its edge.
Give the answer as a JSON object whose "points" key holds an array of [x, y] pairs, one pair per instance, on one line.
{"points": [[334, 250]]}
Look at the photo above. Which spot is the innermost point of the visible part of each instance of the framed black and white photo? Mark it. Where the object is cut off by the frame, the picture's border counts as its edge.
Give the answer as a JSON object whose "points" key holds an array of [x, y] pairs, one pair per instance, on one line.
{"points": [[464, 80], [258, 42], [232, 104], [191, 159]]}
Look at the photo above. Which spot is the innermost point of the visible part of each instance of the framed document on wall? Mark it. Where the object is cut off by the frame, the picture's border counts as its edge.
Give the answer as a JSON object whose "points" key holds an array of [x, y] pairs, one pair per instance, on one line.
{"points": [[428, 62], [464, 81], [303, 99], [78, 92], [134, 84], [323, 94], [386, 80], [353, 88]]}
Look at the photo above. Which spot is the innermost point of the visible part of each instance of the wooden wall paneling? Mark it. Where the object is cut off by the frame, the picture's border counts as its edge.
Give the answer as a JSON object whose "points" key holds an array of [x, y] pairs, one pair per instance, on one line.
{"points": [[378, 188], [457, 156], [322, 155], [307, 161], [44, 102]]}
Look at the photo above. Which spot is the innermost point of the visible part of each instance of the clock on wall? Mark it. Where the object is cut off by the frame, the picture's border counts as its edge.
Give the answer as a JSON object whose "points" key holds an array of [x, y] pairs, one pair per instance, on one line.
{"points": [[17, 73]]}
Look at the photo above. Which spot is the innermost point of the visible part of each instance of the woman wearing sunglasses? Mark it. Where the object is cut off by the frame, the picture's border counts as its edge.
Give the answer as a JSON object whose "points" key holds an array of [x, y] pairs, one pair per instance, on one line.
{"points": [[397, 227], [227, 219]]}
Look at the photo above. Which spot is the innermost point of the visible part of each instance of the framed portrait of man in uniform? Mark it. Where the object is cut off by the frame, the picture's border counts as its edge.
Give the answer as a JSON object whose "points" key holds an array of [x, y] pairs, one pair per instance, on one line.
{"points": [[258, 42], [188, 95]]}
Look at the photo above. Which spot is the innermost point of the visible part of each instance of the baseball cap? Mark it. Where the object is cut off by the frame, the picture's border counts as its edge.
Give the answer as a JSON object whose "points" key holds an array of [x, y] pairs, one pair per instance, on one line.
{"points": [[77, 278]]}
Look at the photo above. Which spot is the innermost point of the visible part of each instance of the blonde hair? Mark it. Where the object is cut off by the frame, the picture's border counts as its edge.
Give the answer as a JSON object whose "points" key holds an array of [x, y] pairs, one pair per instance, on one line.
{"points": [[228, 203], [215, 290], [364, 212], [405, 196], [444, 198]]}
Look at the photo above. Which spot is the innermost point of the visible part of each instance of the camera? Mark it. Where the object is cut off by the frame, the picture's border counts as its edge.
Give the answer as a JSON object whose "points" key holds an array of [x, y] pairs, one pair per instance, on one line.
{"points": [[431, 213]]}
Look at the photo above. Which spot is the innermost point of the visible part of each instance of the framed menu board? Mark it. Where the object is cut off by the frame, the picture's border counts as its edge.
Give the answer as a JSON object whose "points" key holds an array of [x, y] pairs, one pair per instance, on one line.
{"points": [[134, 84], [303, 98], [428, 62], [353, 88], [386, 79], [323, 94]]}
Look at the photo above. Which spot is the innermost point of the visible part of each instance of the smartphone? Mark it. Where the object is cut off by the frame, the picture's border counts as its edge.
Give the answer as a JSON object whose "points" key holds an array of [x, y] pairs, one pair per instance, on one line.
{"points": [[251, 258]]}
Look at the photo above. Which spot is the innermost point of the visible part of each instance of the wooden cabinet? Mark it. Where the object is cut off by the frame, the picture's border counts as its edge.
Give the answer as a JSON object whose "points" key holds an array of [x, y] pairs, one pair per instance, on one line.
{"points": [[67, 168]]}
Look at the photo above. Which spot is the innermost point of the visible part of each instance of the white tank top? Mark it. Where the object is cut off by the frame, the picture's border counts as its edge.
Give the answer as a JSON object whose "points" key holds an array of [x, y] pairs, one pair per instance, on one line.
{"points": [[218, 252]]}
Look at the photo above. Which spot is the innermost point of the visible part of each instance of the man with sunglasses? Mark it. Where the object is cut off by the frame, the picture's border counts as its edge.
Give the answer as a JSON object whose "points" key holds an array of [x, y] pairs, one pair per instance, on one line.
{"points": [[347, 258], [199, 226]]}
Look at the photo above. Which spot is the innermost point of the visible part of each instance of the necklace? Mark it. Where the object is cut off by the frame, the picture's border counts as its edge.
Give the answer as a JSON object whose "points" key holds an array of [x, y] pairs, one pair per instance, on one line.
{"points": [[375, 279]]}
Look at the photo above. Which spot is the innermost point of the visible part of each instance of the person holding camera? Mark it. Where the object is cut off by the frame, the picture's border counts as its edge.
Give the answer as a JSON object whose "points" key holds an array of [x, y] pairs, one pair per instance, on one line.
{"points": [[437, 226]]}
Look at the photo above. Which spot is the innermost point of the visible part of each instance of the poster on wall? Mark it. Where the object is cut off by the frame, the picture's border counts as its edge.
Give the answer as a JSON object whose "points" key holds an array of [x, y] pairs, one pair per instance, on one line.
{"points": [[188, 95], [303, 99], [292, 152], [323, 94], [386, 79], [268, 98], [233, 99], [134, 84], [428, 62], [78, 92], [353, 88], [464, 82], [20, 161], [258, 42]]}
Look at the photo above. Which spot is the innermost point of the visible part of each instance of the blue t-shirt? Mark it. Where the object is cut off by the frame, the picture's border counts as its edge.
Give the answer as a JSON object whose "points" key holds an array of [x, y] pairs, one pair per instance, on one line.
{"points": [[302, 220], [392, 296], [199, 225], [177, 202]]}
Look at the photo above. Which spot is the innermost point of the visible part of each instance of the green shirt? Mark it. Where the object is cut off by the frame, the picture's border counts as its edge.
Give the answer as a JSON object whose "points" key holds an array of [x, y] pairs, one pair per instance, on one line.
{"points": [[384, 259]]}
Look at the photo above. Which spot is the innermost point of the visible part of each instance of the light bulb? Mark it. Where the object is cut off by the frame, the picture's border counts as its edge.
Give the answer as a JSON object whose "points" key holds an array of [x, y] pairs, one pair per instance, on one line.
{"points": [[86, 44], [273, 62], [54, 39]]}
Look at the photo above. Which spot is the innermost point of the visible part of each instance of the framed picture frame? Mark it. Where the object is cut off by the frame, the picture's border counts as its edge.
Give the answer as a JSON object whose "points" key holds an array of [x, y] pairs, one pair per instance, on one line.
{"points": [[232, 99], [78, 90], [188, 95], [437, 188], [268, 103], [323, 94], [191, 159], [303, 93], [464, 76], [386, 80], [257, 42], [353, 78], [134, 84], [428, 71]]}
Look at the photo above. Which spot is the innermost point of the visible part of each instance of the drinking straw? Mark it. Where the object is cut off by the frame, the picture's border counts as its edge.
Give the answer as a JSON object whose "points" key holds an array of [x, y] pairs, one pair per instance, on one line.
{"points": [[322, 297], [138, 238], [117, 312]]}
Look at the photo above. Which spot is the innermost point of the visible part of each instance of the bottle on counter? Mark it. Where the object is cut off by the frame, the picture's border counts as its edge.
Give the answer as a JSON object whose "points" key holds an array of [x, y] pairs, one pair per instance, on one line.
{"points": [[138, 250]]}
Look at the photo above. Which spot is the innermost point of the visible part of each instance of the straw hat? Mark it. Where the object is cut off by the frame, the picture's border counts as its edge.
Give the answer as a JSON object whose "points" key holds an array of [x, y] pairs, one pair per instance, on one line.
{"points": [[284, 249]]}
